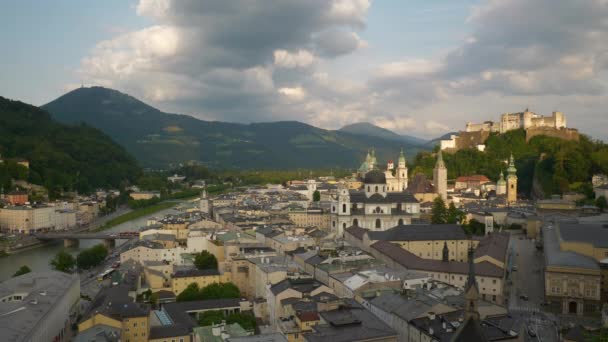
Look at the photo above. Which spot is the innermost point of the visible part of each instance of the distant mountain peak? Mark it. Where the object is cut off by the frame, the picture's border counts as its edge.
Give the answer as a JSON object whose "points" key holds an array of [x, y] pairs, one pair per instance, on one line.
{"points": [[369, 129]]}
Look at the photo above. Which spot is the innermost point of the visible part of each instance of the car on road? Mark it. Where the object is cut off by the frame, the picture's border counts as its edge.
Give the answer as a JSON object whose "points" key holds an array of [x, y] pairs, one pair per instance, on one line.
{"points": [[524, 297]]}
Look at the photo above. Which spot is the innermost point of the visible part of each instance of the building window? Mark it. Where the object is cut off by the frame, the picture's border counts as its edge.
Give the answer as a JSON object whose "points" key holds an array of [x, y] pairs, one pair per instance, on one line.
{"points": [[400, 222], [343, 208], [378, 223], [494, 281], [376, 188], [368, 189], [355, 222]]}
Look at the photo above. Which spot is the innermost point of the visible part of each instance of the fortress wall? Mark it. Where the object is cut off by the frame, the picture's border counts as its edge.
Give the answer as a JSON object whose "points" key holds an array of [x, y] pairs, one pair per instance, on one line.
{"points": [[562, 133]]}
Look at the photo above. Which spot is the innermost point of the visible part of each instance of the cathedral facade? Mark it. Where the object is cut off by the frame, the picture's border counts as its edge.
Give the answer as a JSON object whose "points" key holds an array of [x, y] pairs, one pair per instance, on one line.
{"points": [[374, 207]]}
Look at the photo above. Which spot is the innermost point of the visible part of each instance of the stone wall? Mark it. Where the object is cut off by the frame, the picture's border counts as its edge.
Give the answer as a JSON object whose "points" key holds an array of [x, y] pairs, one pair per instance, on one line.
{"points": [[562, 133]]}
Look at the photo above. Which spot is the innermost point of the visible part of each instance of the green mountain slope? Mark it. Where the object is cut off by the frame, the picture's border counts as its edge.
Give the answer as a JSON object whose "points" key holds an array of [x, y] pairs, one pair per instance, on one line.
{"points": [[366, 128], [61, 157], [159, 139]]}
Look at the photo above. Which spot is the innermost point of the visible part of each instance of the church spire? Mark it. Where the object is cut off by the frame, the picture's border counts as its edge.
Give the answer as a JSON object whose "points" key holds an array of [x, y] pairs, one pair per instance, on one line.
{"points": [[511, 169], [471, 290], [440, 164]]}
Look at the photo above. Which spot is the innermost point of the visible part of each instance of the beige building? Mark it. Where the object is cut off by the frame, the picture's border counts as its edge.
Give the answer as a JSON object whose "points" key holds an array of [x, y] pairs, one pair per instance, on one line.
{"points": [[144, 195], [26, 219], [575, 256], [311, 217], [181, 279]]}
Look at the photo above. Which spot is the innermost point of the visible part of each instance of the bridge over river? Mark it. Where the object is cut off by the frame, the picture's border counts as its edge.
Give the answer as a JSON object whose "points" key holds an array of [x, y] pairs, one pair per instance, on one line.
{"points": [[70, 239]]}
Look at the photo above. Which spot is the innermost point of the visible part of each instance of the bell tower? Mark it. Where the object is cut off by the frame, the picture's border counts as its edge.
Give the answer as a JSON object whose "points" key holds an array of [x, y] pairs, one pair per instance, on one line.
{"points": [[511, 181]]}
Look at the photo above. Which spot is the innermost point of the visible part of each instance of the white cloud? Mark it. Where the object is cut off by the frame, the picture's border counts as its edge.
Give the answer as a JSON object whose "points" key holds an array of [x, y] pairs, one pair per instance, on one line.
{"points": [[299, 59], [296, 93]]}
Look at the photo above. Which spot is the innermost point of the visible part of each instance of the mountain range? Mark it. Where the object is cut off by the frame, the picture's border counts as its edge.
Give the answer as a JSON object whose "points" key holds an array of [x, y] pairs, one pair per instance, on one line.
{"points": [[160, 140]]}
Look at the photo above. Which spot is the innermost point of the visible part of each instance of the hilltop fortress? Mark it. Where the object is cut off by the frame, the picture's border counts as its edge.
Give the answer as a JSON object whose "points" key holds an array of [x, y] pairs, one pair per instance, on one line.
{"points": [[475, 134]]}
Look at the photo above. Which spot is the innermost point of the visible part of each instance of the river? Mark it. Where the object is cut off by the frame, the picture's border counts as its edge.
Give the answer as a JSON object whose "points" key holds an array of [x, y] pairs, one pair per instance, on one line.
{"points": [[38, 258]]}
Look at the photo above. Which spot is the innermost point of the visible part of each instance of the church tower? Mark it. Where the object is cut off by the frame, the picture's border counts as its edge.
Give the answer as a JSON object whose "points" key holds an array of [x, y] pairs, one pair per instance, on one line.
{"points": [[471, 291], [440, 177], [206, 205], [501, 185], [511, 181], [343, 210], [401, 172]]}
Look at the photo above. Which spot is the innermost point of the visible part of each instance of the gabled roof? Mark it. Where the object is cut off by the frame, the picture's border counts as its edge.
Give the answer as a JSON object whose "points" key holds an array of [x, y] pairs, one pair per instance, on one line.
{"points": [[412, 261], [419, 232]]}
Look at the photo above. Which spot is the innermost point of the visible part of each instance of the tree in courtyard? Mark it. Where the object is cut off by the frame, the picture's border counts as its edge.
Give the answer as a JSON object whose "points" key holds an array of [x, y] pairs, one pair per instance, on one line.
{"points": [[190, 293], [601, 203], [211, 291], [454, 215], [220, 291], [22, 270], [63, 262], [246, 321], [205, 260], [474, 227], [316, 196], [438, 212], [211, 317]]}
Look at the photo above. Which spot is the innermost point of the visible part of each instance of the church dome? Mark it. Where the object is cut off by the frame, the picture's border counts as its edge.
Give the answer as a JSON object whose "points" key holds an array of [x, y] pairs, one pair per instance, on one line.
{"points": [[375, 177]]}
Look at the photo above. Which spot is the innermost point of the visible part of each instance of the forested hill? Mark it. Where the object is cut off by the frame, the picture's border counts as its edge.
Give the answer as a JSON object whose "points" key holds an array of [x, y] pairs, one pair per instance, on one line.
{"points": [[61, 157], [545, 165], [159, 139]]}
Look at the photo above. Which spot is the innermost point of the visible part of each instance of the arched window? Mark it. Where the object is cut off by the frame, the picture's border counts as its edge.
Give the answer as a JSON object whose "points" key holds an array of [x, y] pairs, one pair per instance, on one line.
{"points": [[355, 222], [378, 224], [333, 223], [333, 209], [368, 189], [377, 210], [376, 188], [400, 222], [343, 208], [344, 225]]}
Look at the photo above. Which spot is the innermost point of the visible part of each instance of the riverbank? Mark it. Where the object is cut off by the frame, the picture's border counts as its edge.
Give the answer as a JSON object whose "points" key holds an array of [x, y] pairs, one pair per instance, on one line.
{"points": [[135, 214]]}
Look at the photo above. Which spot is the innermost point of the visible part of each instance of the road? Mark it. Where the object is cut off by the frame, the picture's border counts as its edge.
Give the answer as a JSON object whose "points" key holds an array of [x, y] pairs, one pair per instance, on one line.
{"points": [[528, 280]]}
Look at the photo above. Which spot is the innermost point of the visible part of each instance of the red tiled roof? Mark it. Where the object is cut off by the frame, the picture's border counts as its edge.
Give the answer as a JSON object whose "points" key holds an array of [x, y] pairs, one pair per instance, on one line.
{"points": [[308, 316], [473, 178]]}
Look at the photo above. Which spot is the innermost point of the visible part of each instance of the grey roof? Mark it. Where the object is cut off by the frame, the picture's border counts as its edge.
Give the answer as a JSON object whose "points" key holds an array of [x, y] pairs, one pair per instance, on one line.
{"points": [[391, 197], [414, 262], [274, 337], [300, 285], [494, 245], [554, 256], [99, 333], [419, 232], [18, 324], [349, 323], [404, 308], [166, 331], [595, 234], [375, 177], [116, 303], [195, 273]]}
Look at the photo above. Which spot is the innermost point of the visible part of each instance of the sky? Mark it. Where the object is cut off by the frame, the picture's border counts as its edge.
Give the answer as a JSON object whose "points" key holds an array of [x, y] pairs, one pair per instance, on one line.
{"points": [[416, 67]]}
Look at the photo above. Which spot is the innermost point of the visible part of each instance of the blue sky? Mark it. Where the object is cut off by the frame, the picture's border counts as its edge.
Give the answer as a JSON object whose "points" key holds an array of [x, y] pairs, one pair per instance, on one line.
{"points": [[416, 67]]}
